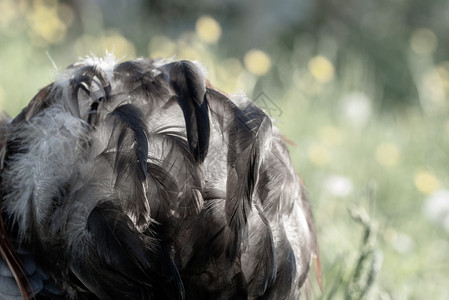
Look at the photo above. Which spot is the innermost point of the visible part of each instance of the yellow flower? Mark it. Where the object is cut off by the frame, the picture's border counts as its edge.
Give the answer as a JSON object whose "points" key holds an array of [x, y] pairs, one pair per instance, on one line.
{"points": [[319, 155], [426, 182], [257, 62], [387, 154], [208, 29], [321, 69]]}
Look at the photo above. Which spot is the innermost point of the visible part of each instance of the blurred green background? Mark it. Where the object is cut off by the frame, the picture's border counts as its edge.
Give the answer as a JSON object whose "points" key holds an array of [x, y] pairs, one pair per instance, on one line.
{"points": [[360, 89]]}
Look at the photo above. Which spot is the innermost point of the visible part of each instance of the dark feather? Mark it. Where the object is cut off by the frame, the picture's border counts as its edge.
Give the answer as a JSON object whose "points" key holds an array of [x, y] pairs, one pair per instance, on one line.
{"points": [[259, 263], [286, 266], [117, 263], [137, 182], [36, 105], [246, 131], [129, 116], [190, 90], [130, 144], [141, 82], [83, 79], [162, 192], [206, 271], [177, 176]]}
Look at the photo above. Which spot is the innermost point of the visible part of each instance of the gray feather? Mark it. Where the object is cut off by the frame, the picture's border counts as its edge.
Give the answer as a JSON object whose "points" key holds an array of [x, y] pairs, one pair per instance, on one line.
{"points": [[134, 180]]}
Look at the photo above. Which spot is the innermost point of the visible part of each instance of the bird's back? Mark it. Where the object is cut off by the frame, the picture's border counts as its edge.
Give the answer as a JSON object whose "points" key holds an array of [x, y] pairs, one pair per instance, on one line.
{"points": [[138, 180]]}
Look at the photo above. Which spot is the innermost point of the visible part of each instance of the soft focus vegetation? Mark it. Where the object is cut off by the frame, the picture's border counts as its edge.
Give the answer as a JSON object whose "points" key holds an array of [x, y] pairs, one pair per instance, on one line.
{"points": [[361, 91]]}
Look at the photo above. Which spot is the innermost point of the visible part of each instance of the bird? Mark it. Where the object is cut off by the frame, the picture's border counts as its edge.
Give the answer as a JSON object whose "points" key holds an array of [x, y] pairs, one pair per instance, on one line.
{"points": [[141, 180]]}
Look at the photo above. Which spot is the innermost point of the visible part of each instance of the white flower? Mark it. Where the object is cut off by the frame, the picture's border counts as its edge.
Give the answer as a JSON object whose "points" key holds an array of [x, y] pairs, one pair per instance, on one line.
{"points": [[356, 108]]}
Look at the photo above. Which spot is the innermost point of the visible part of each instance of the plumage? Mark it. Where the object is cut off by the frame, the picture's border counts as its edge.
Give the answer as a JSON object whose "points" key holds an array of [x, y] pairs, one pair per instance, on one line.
{"points": [[139, 180]]}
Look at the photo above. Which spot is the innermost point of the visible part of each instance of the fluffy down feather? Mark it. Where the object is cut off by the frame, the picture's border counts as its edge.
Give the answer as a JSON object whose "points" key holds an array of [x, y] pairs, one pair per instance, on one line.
{"points": [[140, 181]]}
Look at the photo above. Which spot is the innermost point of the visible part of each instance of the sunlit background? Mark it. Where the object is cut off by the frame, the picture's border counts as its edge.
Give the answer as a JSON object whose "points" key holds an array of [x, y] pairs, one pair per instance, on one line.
{"points": [[360, 90]]}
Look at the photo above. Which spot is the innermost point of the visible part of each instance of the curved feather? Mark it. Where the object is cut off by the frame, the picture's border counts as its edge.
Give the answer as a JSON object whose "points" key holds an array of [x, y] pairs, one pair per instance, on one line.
{"points": [[118, 263], [190, 89], [137, 181], [259, 263], [246, 131], [37, 104]]}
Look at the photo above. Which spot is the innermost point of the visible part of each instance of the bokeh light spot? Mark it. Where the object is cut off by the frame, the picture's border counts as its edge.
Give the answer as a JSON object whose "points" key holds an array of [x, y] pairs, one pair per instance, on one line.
{"points": [[117, 44], [319, 155], [436, 208], [423, 41], [433, 90], [257, 62], [331, 136], [443, 72], [161, 46], [189, 52], [387, 154], [45, 25], [321, 69], [339, 186], [356, 108], [227, 74], [208, 29], [9, 11], [426, 182]]}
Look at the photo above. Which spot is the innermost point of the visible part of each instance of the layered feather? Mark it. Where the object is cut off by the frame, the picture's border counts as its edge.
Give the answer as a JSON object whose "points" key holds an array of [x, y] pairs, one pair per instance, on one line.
{"points": [[137, 181]]}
